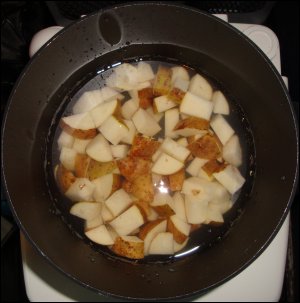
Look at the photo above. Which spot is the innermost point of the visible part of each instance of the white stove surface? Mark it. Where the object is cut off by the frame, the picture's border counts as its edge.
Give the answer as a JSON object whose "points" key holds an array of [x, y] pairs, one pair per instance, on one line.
{"points": [[260, 281]]}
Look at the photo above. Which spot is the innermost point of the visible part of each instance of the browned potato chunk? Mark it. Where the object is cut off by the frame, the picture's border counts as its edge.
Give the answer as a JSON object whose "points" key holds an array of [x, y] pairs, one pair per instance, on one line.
{"points": [[213, 166], [78, 133], [206, 147], [192, 122], [133, 167], [129, 246], [65, 178], [143, 146], [162, 81], [146, 97], [176, 180], [82, 163], [97, 169]]}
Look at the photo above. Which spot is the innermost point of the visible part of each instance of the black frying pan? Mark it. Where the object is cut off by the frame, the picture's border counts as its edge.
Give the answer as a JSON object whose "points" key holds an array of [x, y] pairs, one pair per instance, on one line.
{"points": [[159, 32]]}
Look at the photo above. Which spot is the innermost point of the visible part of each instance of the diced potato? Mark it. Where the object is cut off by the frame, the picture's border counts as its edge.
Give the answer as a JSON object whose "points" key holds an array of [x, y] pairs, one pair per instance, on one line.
{"points": [[150, 230], [100, 235], [222, 205], [129, 246], [128, 138], [200, 87], [93, 223], [179, 206], [113, 130], [82, 163], [106, 214], [87, 101], [162, 81], [196, 211], [188, 132], [108, 94], [171, 120], [118, 202], [142, 188], [80, 145], [65, 140], [129, 108], [86, 210], [97, 169], [156, 116], [195, 165], [178, 90], [203, 175], [99, 149], [145, 72], [230, 178], [174, 149], [213, 166], [81, 190], [220, 102], [178, 247], [133, 167], [128, 221], [179, 228], [166, 165], [119, 151], [67, 158], [214, 217], [179, 72], [222, 128], [176, 180], [232, 151], [196, 106], [105, 186], [163, 204], [152, 216], [145, 123], [144, 207], [207, 147], [162, 244], [183, 142], [163, 103], [143, 146], [64, 177], [146, 97], [193, 122]]}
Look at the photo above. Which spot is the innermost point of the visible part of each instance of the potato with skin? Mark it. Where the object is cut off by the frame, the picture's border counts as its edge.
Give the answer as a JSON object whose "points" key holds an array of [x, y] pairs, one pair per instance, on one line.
{"points": [[82, 163], [142, 188], [178, 228], [144, 146], [207, 147], [129, 246], [146, 97], [162, 81], [133, 167], [193, 122], [97, 169], [65, 178], [176, 180], [214, 166]]}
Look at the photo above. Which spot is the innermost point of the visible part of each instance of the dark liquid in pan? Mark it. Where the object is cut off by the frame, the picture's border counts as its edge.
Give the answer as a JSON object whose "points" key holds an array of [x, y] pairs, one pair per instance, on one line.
{"points": [[207, 235]]}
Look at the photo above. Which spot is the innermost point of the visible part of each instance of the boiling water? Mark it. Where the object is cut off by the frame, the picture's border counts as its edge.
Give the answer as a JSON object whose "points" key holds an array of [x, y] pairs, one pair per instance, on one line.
{"points": [[207, 235]]}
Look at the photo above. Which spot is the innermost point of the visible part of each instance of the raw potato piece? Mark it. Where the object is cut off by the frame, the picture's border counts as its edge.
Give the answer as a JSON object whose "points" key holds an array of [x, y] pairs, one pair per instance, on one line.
{"points": [[65, 140], [196, 211], [64, 177], [183, 141], [178, 90], [178, 247], [145, 97], [174, 149], [119, 151], [171, 120], [129, 246], [179, 228], [100, 113], [128, 139], [81, 190], [222, 129], [97, 169], [93, 223], [145, 123], [145, 72], [150, 230], [80, 145], [163, 204], [105, 186], [106, 214], [128, 221], [79, 126], [100, 235], [176, 180], [213, 166], [179, 72], [194, 167], [82, 163], [118, 202], [87, 101], [207, 147], [179, 206], [67, 158], [163, 103], [99, 149], [221, 105], [86, 210], [143, 146], [129, 108], [113, 130], [162, 81], [162, 244], [166, 165], [232, 151], [142, 188], [200, 87], [230, 178], [193, 123], [196, 106]]}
